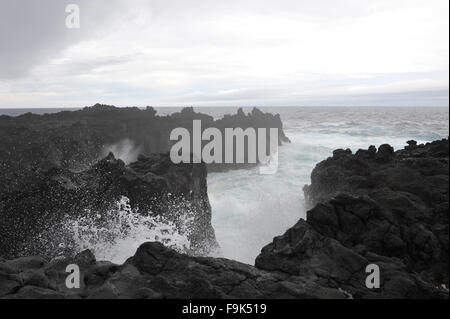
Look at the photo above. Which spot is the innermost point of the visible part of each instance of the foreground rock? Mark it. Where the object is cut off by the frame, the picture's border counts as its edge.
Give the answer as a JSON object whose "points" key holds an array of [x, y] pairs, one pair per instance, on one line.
{"points": [[154, 272], [157, 272], [373, 207]]}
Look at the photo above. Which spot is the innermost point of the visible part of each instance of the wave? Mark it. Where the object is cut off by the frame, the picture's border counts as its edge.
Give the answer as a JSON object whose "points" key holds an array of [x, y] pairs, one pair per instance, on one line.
{"points": [[115, 235]]}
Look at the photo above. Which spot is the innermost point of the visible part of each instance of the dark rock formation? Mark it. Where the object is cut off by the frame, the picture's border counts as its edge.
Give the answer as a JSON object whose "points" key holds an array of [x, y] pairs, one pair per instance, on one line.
{"points": [[154, 272], [374, 207], [78, 139], [307, 252], [31, 211], [157, 272], [51, 167], [420, 170]]}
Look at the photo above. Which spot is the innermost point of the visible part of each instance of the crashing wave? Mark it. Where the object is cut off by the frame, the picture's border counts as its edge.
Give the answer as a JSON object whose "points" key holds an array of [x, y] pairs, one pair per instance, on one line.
{"points": [[116, 234]]}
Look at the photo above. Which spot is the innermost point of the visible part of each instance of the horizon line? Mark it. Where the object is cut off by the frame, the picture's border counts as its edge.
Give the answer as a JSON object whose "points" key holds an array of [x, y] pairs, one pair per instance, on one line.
{"points": [[210, 106]]}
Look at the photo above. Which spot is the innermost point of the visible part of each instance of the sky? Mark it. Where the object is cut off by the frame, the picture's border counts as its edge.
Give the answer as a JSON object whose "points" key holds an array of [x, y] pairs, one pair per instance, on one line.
{"points": [[225, 53]]}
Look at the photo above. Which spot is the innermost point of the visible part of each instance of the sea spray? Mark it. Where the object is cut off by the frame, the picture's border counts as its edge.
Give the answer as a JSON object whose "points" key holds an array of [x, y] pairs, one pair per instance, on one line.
{"points": [[125, 149], [116, 234]]}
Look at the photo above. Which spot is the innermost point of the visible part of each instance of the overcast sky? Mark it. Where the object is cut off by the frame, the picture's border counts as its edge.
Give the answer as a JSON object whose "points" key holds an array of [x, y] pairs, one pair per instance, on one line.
{"points": [[233, 52]]}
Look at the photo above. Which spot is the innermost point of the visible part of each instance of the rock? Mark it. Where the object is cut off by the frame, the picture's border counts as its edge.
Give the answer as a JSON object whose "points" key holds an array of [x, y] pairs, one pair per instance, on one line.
{"points": [[393, 205], [26, 263], [156, 272], [303, 252], [36, 278], [411, 145], [97, 274], [44, 206], [173, 275], [9, 284], [107, 291], [31, 292], [385, 152], [341, 152], [84, 259], [151, 258], [147, 293], [300, 264], [76, 140]]}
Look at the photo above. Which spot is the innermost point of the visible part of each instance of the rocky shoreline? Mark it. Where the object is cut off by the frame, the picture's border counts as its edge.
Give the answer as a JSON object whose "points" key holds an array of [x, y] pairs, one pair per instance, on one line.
{"points": [[32, 216], [76, 140], [72, 165], [376, 206]]}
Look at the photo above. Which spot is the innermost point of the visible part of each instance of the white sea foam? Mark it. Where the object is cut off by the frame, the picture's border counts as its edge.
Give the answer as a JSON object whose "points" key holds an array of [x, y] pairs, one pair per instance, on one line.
{"points": [[117, 235], [126, 150]]}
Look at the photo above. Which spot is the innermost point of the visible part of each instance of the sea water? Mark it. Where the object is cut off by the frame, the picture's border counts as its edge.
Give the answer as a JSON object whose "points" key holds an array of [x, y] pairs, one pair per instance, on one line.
{"points": [[249, 210]]}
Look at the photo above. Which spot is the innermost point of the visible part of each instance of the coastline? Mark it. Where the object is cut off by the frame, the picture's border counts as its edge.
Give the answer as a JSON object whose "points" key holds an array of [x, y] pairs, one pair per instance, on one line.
{"points": [[311, 260]]}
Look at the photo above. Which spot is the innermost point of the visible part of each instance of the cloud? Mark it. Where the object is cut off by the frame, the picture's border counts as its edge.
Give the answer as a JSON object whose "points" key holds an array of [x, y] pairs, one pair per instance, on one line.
{"points": [[208, 52], [34, 32]]}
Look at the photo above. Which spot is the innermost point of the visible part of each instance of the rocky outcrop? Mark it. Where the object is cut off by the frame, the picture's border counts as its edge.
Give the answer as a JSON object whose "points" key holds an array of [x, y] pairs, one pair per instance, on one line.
{"points": [[326, 270], [374, 207], [76, 140], [155, 272], [76, 166], [420, 170], [307, 250], [52, 166], [32, 212]]}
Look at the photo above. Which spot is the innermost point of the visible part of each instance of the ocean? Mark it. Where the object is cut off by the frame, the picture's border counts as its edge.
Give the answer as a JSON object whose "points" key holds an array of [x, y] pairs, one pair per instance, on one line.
{"points": [[249, 210]]}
